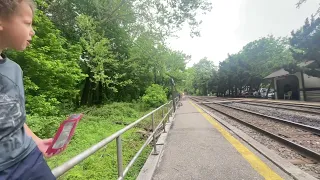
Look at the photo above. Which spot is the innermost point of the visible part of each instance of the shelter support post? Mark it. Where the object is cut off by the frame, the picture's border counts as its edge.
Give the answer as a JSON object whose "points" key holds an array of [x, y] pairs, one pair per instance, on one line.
{"points": [[275, 88], [303, 87]]}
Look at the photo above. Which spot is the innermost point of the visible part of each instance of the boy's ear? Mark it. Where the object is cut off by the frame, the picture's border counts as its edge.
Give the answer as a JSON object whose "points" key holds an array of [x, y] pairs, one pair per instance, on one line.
{"points": [[1, 25]]}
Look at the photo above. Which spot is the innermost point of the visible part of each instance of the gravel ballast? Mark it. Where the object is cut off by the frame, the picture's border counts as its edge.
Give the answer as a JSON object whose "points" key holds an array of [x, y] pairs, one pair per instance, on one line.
{"points": [[282, 150]]}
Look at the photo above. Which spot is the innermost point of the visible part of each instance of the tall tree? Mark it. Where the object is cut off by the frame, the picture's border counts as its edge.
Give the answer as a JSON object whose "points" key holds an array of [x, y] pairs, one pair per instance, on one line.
{"points": [[305, 46], [132, 34], [51, 69], [203, 73], [247, 68], [301, 2], [188, 83], [160, 17], [99, 63]]}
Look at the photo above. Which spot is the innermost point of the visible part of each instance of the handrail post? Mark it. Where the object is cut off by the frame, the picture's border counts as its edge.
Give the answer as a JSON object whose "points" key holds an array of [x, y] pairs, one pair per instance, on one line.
{"points": [[119, 157], [122, 171], [154, 137], [173, 102], [169, 111], [164, 121], [172, 94], [173, 109]]}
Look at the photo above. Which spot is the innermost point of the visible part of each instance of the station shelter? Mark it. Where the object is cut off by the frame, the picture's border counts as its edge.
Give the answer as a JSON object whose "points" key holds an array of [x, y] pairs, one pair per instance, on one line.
{"points": [[297, 86]]}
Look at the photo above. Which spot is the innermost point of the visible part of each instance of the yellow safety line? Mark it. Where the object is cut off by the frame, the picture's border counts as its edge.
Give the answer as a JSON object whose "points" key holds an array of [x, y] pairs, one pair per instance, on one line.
{"points": [[254, 161]]}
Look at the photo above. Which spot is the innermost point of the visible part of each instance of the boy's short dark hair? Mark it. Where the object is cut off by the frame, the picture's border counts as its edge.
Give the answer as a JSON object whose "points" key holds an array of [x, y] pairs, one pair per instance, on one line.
{"points": [[8, 7]]}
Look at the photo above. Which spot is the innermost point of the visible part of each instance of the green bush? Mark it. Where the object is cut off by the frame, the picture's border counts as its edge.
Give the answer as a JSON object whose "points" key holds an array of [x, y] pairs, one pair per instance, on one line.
{"points": [[121, 113], [97, 124], [44, 127], [42, 106], [155, 96]]}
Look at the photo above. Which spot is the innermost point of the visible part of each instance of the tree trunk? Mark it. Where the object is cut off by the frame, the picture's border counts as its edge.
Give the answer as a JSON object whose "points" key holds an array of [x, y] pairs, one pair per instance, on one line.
{"points": [[98, 96], [155, 75], [101, 97], [91, 94], [236, 91], [85, 92], [233, 91]]}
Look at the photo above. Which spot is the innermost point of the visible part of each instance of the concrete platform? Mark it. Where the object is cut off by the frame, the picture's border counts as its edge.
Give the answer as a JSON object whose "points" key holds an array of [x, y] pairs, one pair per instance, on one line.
{"points": [[195, 149]]}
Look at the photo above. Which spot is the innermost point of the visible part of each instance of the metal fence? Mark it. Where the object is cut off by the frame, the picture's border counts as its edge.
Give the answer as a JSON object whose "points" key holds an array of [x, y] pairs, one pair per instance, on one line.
{"points": [[170, 107]]}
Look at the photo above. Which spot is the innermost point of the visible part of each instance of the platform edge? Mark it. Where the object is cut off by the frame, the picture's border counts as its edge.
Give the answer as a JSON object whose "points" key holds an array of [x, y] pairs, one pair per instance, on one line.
{"points": [[283, 164], [150, 166]]}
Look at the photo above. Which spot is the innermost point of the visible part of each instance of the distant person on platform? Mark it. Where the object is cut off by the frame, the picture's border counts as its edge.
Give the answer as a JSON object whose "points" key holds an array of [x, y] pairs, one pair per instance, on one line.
{"points": [[21, 151]]}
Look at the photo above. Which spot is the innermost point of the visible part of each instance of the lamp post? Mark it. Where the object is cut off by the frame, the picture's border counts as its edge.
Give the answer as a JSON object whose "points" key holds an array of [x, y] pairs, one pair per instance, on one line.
{"points": [[172, 93]]}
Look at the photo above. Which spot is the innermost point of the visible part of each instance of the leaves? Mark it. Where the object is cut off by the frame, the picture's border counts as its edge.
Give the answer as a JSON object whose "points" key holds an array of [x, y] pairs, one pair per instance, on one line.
{"points": [[100, 61], [242, 71], [305, 46], [50, 67], [155, 96], [201, 73]]}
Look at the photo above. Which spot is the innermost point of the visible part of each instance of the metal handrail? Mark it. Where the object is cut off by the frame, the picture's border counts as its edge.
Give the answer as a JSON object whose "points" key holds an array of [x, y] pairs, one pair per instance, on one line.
{"points": [[60, 170]]}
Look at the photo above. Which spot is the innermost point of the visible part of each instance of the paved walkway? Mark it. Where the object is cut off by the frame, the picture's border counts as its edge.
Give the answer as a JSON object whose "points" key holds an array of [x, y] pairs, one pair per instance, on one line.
{"points": [[195, 149]]}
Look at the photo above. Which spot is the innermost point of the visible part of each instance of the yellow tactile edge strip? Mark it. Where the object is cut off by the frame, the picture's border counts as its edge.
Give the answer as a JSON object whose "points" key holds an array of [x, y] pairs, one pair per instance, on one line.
{"points": [[257, 164]]}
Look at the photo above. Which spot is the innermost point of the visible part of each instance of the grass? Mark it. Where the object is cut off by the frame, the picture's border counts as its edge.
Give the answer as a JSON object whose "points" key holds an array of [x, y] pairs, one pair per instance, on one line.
{"points": [[97, 124]]}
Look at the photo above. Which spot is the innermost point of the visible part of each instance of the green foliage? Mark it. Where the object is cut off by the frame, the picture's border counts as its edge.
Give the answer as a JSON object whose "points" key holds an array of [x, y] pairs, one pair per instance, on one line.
{"points": [[122, 45], [116, 112], [152, 62], [155, 96], [40, 105], [50, 67], [166, 17], [97, 124], [44, 126], [93, 52], [98, 56], [243, 71], [305, 46], [200, 78], [300, 2], [204, 71]]}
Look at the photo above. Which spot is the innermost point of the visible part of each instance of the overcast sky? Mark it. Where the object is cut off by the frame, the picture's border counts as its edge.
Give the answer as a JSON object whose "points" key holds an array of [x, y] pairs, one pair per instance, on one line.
{"points": [[233, 23]]}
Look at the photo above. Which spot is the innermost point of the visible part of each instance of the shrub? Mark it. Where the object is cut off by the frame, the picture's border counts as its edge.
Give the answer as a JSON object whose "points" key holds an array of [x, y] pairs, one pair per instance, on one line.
{"points": [[44, 127], [155, 96], [42, 106]]}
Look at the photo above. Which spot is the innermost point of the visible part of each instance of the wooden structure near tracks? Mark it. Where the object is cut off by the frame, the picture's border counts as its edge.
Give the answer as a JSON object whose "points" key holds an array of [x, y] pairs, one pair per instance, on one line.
{"points": [[299, 85]]}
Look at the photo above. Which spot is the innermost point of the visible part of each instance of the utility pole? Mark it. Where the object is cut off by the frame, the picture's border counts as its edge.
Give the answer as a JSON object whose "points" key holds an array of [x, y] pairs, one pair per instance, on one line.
{"points": [[172, 93]]}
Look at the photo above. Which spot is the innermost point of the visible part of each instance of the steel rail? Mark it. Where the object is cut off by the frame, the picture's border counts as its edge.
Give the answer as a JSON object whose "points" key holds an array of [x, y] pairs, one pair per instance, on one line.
{"points": [[300, 125], [308, 152], [288, 104], [289, 107]]}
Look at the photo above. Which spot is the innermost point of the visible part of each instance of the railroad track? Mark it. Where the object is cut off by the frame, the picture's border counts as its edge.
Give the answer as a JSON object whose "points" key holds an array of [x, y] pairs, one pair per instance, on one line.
{"points": [[313, 129], [299, 137], [298, 105], [310, 109], [295, 104], [313, 110]]}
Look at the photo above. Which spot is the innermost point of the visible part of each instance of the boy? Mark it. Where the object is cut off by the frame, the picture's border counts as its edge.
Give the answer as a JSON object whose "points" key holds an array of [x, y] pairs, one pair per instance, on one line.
{"points": [[21, 151]]}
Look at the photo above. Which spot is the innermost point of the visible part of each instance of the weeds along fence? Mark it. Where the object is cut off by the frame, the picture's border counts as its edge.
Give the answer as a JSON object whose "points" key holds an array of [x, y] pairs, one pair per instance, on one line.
{"points": [[158, 117]]}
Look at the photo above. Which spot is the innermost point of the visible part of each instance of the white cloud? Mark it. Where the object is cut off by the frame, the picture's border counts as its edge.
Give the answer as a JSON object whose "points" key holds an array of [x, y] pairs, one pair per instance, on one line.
{"points": [[233, 23]]}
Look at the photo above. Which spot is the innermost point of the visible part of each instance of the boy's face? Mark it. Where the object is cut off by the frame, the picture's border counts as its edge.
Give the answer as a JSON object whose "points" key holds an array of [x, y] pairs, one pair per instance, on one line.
{"points": [[16, 31]]}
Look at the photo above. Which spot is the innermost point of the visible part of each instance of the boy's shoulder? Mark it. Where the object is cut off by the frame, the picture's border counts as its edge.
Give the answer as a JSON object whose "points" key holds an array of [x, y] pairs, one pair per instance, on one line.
{"points": [[6, 62]]}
